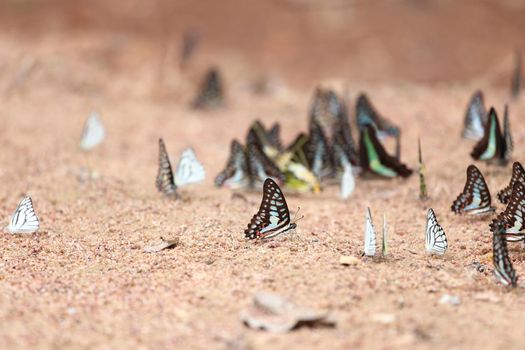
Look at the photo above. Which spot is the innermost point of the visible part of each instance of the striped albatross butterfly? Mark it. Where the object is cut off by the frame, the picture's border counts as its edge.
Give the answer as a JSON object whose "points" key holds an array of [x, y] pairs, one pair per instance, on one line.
{"points": [[518, 175], [24, 219], [273, 217], [475, 198], [435, 239]]}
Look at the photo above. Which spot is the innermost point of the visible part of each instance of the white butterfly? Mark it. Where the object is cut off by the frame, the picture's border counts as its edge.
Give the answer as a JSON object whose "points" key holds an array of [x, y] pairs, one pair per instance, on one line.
{"points": [[189, 170], [347, 181], [24, 219], [94, 132], [436, 240], [370, 235]]}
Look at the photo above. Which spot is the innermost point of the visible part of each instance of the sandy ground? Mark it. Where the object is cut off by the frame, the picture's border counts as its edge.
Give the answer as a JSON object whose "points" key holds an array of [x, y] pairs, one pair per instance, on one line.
{"points": [[84, 281]]}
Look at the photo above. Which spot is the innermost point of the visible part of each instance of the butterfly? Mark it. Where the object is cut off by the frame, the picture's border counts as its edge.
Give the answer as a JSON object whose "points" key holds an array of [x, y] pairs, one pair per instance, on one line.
{"points": [[347, 181], [326, 109], [422, 184], [93, 133], [273, 217], [517, 77], [319, 152], [374, 158], [366, 114], [513, 216], [475, 117], [475, 198], [211, 91], [261, 167], [189, 170], [24, 219], [518, 175], [435, 238], [343, 143], [493, 146], [236, 174], [385, 233], [503, 269], [508, 144], [370, 235]]}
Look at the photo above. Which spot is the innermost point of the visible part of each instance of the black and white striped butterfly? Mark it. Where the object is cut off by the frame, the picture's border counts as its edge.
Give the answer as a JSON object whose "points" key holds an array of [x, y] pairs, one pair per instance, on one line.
{"points": [[518, 175], [24, 219], [475, 198], [494, 147], [475, 118], [435, 239], [503, 269], [318, 152], [189, 170], [211, 91], [93, 133], [370, 235], [512, 217], [273, 217]]}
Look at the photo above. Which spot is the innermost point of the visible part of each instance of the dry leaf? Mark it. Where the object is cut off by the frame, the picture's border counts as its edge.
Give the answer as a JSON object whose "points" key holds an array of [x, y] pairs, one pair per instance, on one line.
{"points": [[273, 313], [163, 244]]}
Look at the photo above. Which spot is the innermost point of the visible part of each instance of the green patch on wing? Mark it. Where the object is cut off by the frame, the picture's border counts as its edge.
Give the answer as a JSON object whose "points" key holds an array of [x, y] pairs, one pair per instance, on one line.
{"points": [[373, 159], [491, 147]]}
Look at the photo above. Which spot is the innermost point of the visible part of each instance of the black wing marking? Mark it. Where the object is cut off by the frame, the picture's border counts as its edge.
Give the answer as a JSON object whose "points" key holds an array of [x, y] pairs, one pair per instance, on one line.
{"points": [[165, 179], [261, 167], [503, 268], [508, 144], [518, 175], [319, 153], [475, 198], [273, 217]]}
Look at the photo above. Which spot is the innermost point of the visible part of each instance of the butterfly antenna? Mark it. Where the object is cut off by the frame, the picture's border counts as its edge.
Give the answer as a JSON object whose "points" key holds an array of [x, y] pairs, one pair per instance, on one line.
{"points": [[295, 216]]}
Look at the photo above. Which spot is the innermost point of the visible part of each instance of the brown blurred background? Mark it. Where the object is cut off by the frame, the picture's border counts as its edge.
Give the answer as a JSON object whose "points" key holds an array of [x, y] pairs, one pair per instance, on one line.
{"points": [[301, 41]]}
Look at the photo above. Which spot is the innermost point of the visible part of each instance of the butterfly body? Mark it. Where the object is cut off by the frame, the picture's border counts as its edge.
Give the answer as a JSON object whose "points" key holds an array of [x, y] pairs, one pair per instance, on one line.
{"points": [[273, 217], [475, 198], [24, 219]]}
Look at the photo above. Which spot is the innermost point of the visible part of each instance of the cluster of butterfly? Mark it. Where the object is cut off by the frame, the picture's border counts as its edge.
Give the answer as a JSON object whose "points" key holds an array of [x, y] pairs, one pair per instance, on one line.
{"points": [[326, 153], [508, 226], [494, 145]]}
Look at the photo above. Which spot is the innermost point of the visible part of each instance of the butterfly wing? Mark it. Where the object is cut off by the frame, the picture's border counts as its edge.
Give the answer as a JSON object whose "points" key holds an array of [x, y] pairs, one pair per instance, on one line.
{"points": [[318, 152], [475, 198], [165, 179], [24, 219], [273, 217], [347, 182], [518, 175], [490, 147], [503, 269], [375, 159], [508, 144], [189, 170], [368, 115], [512, 218], [370, 235], [94, 132], [236, 174], [436, 240], [473, 127], [211, 92], [261, 167]]}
